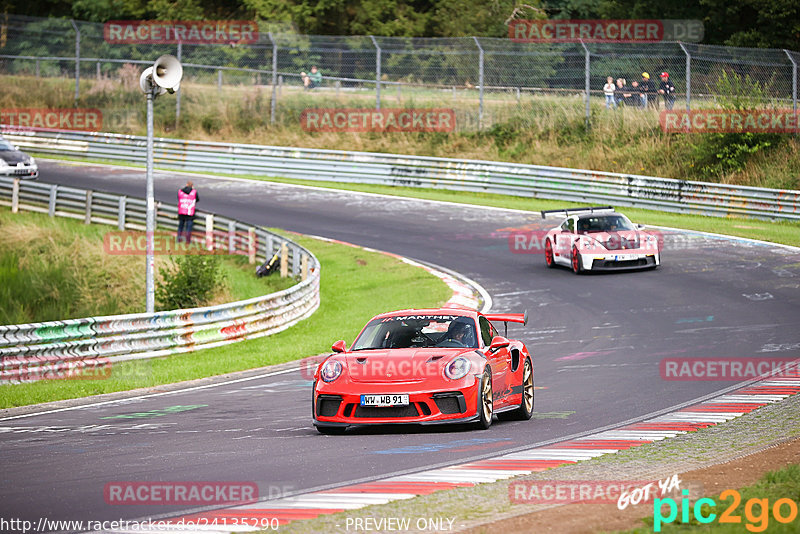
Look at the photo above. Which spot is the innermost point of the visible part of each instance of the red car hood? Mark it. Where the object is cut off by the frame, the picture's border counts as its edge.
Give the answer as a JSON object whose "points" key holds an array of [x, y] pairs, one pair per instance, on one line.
{"points": [[399, 365]]}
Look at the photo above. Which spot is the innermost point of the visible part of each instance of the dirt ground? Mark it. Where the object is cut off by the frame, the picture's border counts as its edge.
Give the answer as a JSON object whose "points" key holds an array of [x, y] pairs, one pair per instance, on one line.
{"points": [[582, 518]]}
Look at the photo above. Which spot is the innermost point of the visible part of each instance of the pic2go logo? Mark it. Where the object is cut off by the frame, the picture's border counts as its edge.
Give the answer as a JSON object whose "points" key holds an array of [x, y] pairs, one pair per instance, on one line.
{"points": [[756, 511]]}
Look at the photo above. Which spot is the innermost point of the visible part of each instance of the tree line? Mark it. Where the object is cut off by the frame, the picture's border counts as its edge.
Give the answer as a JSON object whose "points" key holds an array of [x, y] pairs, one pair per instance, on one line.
{"points": [[744, 23]]}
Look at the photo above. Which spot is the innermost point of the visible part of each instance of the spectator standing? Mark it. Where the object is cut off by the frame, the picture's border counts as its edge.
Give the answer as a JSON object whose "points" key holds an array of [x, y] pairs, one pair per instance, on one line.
{"points": [[608, 91], [187, 201], [645, 88], [621, 94], [667, 90], [635, 97]]}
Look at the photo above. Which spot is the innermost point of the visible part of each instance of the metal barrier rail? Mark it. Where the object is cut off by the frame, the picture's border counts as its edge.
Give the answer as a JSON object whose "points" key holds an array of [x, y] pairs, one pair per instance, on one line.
{"points": [[63, 348], [662, 194]]}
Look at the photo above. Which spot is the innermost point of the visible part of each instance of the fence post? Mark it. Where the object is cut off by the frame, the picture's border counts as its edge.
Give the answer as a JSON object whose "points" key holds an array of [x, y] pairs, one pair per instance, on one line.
{"points": [[121, 212], [794, 81], [88, 217], [219, 80], [37, 68], [688, 76], [51, 207], [209, 231], [97, 65], [377, 73], [15, 196], [178, 92], [480, 82], [284, 260], [587, 82], [304, 267], [231, 237], [77, 60], [273, 103], [251, 245]]}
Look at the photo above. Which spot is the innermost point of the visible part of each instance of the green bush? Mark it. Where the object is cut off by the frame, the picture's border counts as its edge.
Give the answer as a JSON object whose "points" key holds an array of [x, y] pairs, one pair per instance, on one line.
{"points": [[188, 282]]}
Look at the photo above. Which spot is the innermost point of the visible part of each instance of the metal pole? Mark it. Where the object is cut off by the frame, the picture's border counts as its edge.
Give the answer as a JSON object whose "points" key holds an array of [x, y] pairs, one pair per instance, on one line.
{"points": [[587, 82], [178, 92], [274, 78], [151, 215], [480, 82], [77, 61], [377, 73], [794, 80], [688, 77]]}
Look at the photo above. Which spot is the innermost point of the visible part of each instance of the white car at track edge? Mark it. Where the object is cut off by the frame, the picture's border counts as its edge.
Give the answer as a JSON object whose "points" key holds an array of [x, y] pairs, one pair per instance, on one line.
{"points": [[599, 239]]}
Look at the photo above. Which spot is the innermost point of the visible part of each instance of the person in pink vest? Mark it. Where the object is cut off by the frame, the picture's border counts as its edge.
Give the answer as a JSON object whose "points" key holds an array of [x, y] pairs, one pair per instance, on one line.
{"points": [[187, 201]]}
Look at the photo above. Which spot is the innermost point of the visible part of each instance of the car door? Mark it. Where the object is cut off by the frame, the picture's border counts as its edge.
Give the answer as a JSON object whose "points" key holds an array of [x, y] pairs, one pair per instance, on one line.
{"points": [[563, 241], [499, 360]]}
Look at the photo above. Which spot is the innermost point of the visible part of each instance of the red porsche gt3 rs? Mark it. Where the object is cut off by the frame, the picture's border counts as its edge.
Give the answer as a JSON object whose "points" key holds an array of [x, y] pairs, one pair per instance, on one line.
{"points": [[426, 367]]}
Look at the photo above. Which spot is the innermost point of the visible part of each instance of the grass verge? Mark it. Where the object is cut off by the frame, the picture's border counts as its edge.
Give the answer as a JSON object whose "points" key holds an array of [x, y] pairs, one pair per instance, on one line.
{"points": [[57, 268], [355, 286]]}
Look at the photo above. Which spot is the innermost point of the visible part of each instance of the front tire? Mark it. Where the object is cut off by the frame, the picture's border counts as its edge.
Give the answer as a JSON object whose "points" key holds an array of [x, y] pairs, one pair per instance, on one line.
{"points": [[548, 254], [525, 409], [577, 264], [485, 401]]}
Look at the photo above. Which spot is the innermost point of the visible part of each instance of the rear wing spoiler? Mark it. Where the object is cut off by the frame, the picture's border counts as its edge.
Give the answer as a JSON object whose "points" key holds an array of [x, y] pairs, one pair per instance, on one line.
{"points": [[506, 318], [572, 211]]}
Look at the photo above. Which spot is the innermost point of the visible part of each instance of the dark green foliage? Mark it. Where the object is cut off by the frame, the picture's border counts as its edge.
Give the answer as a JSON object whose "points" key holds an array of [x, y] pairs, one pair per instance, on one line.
{"points": [[189, 282]]}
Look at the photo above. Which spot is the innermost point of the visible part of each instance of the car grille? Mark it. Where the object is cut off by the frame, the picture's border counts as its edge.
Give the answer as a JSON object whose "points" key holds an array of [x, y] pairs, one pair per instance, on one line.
{"points": [[22, 171], [328, 405], [389, 411]]}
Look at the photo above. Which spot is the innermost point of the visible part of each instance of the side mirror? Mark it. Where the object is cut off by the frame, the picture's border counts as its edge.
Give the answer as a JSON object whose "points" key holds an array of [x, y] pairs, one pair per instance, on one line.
{"points": [[498, 342], [339, 346], [640, 226]]}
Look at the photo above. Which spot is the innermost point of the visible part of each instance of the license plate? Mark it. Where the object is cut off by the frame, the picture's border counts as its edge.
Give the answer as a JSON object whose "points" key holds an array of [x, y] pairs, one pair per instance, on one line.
{"points": [[384, 400], [625, 257]]}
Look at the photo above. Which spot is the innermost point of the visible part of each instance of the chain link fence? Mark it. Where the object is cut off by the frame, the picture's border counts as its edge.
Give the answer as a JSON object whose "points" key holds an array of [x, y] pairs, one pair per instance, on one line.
{"points": [[485, 80]]}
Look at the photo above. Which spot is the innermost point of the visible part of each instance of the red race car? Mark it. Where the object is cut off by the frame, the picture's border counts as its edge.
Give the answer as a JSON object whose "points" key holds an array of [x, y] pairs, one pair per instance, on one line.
{"points": [[427, 367]]}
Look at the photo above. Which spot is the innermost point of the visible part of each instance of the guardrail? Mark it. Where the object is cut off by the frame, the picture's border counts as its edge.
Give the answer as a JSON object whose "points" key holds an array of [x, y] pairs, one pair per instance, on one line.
{"points": [[72, 347], [663, 194]]}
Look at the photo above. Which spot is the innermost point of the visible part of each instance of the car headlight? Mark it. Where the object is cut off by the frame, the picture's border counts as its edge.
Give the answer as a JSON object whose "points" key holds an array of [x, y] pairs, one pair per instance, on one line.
{"points": [[458, 368], [3, 163], [32, 161], [331, 370]]}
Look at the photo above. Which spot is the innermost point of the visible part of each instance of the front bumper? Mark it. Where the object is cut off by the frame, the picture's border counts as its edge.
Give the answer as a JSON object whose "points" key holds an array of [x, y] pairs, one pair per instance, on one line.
{"points": [[621, 261], [25, 172], [436, 406]]}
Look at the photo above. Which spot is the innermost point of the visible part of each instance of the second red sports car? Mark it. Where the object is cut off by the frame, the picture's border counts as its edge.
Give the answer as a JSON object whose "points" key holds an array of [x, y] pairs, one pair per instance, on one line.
{"points": [[428, 367]]}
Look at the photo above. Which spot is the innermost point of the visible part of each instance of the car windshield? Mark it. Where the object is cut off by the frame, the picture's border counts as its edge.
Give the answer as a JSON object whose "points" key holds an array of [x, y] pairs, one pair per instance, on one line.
{"points": [[401, 332], [603, 223], [5, 145]]}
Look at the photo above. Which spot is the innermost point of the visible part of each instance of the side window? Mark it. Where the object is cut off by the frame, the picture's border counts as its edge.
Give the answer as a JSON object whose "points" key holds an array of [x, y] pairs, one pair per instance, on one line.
{"points": [[487, 331]]}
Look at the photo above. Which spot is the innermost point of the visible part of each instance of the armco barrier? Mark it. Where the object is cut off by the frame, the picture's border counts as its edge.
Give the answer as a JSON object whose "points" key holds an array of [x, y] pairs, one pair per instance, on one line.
{"points": [[663, 194], [61, 348]]}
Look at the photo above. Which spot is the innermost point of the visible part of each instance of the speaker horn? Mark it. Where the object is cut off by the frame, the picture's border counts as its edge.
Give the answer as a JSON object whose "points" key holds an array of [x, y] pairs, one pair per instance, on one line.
{"points": [[146, 82], [167, 72]]}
